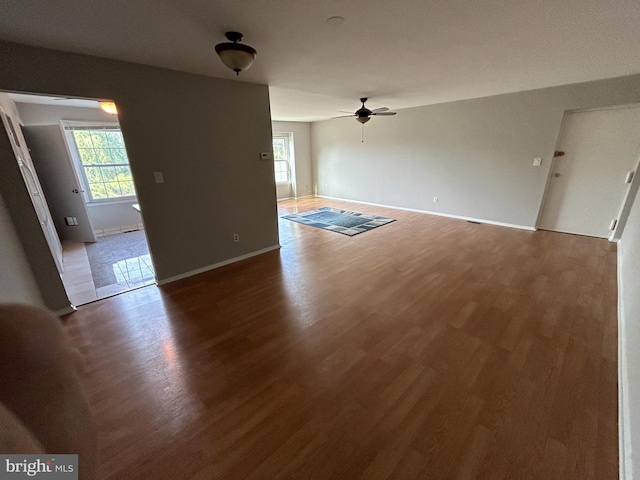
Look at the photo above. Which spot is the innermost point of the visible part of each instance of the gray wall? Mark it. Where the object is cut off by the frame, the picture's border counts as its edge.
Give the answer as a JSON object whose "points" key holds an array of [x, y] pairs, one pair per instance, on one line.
{"points": [[302, 152], [475, 155], [629, 288], [195, 130], [17, 283]]}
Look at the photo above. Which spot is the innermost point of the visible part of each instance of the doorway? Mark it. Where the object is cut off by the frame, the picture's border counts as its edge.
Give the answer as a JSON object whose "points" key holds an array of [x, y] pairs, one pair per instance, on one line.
{"points": [[21, 153], [589, 179], [78, 151]]}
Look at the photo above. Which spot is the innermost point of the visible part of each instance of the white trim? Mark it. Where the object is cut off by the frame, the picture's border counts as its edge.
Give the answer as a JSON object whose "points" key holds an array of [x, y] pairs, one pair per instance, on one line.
{"points": [[624, 434], [88, 123], [439, 214], [63, 311], [216, 265], [609, 107], [305, 196], [113, 201]]}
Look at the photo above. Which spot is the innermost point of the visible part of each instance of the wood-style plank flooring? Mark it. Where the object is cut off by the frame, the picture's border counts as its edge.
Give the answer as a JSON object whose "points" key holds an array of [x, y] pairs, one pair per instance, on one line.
{"points": [[428, 348]]}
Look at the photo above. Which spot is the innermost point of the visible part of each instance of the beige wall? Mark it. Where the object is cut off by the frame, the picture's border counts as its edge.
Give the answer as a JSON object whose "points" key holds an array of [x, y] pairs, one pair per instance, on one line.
{"points": [[194, 129], [476, 155]]}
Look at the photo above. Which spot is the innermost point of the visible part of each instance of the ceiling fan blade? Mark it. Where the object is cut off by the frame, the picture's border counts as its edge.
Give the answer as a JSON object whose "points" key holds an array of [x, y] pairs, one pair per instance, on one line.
{"points": [[378, 110], [383, 113], [344, 111], [344, 116]]}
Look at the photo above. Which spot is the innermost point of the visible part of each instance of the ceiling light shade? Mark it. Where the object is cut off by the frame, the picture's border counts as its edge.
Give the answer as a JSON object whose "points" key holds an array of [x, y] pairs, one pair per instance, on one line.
{"points": [[363, 119], [109, 107], [236, 56]]}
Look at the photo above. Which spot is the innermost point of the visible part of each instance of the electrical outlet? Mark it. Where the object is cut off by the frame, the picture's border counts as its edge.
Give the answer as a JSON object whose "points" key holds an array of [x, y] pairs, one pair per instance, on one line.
{"points": [[236, 237], [537, 162], [158, 177], [435, 199]]}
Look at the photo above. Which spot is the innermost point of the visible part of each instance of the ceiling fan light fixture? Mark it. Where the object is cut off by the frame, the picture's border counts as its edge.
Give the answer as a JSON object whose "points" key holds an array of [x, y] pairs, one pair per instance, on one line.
{"points": [[238, 57], [363, 119]]}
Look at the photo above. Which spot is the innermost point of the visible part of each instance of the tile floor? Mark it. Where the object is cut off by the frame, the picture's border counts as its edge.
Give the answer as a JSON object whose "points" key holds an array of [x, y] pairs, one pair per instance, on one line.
{"points": [[78, 281]]}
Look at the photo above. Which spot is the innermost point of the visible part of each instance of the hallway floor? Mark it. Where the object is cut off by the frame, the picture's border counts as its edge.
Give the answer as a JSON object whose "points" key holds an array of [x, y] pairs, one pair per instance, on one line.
{"points": [[114, 264]]}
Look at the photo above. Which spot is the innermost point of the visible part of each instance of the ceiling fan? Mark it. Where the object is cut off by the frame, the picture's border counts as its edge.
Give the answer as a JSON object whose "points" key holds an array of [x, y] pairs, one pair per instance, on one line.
{"points": [[363, 114]]}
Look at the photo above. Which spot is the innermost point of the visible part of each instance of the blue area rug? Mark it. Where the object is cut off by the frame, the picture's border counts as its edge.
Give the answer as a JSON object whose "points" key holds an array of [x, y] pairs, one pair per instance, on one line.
{"points": [[340, 221]]}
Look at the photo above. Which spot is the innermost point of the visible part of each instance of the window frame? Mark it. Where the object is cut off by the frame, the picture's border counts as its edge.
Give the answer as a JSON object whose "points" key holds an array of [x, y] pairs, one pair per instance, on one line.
{"points": [[79, 168], [288, 150]]}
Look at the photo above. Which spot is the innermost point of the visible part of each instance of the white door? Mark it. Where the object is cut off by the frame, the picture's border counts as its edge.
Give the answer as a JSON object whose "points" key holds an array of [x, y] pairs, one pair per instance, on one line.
{"points": [[587, 184], [35, 191]]}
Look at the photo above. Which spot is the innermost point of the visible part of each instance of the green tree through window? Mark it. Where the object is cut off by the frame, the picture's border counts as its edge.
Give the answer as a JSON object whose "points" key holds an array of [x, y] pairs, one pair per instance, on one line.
{"points": [[104, 161]]}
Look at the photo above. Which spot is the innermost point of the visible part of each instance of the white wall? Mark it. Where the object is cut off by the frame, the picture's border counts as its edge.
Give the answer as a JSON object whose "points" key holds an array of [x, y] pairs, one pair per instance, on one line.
{"points": [[475, 155], [302, 152], [110, 217], [17, 283], [629, 294]]}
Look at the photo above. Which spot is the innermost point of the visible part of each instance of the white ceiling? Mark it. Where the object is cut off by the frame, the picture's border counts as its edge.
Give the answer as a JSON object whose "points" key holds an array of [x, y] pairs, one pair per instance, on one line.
{"points": [[402, 53]]}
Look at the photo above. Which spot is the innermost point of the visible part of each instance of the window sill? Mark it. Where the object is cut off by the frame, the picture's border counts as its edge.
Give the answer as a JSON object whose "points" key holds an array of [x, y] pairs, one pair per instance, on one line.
{"points": [[130, 200]]}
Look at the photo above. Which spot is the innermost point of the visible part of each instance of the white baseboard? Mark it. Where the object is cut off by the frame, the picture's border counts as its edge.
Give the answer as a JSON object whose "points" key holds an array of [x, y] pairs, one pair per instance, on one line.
{"points": [[116, 230], [305, 196], [164, 281], [624, 436], [439, 214]]}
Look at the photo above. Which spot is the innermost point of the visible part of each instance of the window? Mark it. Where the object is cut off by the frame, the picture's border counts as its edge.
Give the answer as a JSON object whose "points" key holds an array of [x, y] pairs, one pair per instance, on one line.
{"points": [[104, 164], [281, 158]]}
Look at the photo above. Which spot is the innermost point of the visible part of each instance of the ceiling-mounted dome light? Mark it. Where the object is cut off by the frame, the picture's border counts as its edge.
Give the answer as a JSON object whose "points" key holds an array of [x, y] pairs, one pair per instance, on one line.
{"points": [[236, 56], [109, 107]]}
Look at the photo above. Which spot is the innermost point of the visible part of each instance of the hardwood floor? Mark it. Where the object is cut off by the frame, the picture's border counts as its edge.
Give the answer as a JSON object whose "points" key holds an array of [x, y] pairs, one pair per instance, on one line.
{"points": [[428, 348]]}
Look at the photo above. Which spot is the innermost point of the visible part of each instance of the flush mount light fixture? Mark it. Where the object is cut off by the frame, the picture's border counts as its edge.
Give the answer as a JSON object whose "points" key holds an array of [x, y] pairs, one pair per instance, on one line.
{"points": [[109, 107], [236, 56]]}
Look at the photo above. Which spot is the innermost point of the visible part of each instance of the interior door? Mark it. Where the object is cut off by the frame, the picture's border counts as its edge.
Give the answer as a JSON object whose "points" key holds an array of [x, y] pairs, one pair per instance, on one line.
{"points": [[42, 212], [587, 183], [35, 191]]}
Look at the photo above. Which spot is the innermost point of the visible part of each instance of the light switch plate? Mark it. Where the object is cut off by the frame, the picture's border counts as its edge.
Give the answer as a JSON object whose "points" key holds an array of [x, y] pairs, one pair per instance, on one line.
{"points": [[537, 162], [158, 177]]}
